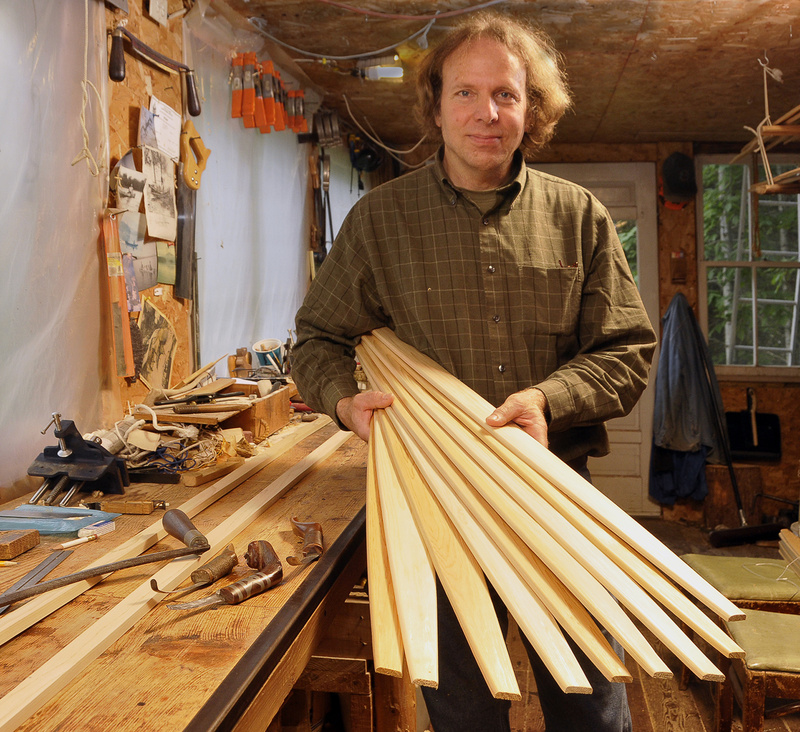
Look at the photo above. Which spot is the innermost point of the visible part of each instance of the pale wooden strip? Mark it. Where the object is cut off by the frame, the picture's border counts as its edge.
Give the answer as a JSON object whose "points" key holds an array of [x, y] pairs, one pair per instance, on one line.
{"points": [[38, 688], [527, 449], [458, 571], [413, 576], [480, 462], [20, 619], [387, 645], [552, 593], [531, 615], [625, 557], [578, 578]]}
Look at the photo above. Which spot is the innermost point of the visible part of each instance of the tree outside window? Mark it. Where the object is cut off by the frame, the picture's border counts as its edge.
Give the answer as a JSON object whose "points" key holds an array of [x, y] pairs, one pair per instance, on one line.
{"points": [[749, 267]]}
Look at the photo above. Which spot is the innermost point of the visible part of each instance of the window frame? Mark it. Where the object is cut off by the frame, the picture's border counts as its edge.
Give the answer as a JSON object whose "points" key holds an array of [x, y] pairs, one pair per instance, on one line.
{"points": [[724, 371]]}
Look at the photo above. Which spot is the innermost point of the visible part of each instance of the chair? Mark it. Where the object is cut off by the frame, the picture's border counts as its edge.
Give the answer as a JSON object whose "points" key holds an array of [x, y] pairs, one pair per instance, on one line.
{"points": [[770, 636]]}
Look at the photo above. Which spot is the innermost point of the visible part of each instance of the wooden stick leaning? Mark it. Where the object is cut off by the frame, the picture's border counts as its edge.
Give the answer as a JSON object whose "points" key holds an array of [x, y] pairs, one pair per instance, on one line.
{"points": [[20, 619], [576, 578], [44, 683], [558, 473], [413, 576], [387, 645], [458, 571]]}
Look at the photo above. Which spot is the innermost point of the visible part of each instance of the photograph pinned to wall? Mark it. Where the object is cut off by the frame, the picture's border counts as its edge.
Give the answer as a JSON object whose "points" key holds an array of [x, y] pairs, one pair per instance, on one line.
{"points": [[131, 287], [132, 227], [167, 124], [127, 184], [166, 262], [160, 343], [147, 129], [159, 195]]}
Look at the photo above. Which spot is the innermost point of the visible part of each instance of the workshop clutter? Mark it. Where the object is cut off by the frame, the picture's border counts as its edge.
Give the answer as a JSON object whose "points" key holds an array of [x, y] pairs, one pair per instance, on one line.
{"points": [[260, 98], [449, 497]]}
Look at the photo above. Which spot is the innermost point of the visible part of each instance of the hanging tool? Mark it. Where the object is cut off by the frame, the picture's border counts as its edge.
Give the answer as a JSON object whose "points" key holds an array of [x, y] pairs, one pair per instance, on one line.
{"points": [[220, 566], [254, 584], [194, 155], [311, 533], [116, 64], [237, 74], [74, 465], [175, 522]]}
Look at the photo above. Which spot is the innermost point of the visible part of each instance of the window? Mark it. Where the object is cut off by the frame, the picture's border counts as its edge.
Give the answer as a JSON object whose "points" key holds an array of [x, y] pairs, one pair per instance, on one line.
{"points": [[749, 269]]}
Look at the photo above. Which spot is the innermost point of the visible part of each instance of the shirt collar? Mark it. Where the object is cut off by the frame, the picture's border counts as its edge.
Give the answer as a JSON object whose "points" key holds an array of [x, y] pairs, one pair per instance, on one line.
{"points": [[510, 190]]}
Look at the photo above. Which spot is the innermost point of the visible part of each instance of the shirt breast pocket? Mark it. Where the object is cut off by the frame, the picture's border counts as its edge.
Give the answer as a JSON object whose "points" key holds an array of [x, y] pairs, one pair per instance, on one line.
{"points": [[546, 305]]}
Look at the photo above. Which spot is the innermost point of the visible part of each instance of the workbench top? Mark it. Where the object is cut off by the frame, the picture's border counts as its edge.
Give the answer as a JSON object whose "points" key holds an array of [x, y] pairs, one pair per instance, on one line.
{"points": [[204, 669]]}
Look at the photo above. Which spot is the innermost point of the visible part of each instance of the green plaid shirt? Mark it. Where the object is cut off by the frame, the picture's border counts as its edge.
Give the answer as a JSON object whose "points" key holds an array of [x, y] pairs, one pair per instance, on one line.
{"points": [[534, 292]]}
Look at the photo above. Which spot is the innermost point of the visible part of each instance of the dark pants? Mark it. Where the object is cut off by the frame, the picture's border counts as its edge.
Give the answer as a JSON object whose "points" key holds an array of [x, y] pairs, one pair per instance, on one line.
{"points": [[463, 702]]}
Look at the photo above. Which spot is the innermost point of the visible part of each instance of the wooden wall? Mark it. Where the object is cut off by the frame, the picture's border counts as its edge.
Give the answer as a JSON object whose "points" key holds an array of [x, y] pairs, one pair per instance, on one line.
{"points": [[142, 81]]}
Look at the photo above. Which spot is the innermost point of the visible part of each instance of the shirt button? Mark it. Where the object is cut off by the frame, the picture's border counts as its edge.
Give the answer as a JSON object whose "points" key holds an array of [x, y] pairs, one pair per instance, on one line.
{"points": [[490, 269], [486, 222], [501, 368], [496, 318], [453, 201]]}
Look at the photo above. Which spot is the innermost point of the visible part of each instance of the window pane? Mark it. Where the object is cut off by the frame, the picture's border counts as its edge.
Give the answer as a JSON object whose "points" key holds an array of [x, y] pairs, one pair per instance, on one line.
{"points": [[730, 316], [777, 317], [626, 230], [777, 223], [726, 212]]}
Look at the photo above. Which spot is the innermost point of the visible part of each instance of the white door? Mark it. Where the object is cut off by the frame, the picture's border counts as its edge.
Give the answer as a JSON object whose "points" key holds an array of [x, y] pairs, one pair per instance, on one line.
{"points": [[628, 190]]}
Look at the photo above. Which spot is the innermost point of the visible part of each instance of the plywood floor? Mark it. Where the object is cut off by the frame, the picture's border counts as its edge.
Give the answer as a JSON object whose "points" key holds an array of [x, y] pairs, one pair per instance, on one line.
{"points": [[656, 705]]}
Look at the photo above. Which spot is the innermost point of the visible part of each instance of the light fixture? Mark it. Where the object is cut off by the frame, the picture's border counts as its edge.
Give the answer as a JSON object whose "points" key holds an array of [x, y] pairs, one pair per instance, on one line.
{"points": [[380, 67]]}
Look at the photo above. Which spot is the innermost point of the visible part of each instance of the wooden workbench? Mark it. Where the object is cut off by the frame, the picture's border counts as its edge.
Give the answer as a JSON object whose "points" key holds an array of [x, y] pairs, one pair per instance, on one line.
{"points": [[227, 667]]}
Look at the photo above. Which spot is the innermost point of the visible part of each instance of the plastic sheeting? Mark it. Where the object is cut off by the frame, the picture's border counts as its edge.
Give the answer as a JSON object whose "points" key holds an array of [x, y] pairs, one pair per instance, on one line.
{"points": [[49, 212], [253, 212]]}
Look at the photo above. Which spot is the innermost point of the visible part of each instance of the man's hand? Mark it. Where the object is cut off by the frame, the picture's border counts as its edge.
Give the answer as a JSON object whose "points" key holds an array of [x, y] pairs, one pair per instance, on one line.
{"points": [[355, 412], [528, 409]]}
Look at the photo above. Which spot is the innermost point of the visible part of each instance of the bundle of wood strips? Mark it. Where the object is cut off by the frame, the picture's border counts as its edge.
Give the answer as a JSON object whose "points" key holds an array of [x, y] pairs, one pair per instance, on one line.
{"points": [[449, 496]]}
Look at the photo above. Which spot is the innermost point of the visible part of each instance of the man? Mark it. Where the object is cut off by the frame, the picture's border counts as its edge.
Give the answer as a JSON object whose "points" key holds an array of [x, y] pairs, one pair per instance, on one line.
{"points": [[513, 280]]}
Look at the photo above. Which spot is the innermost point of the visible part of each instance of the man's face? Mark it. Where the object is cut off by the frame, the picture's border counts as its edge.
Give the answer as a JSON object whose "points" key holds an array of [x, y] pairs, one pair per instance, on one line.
{"points": [[482, 114]]}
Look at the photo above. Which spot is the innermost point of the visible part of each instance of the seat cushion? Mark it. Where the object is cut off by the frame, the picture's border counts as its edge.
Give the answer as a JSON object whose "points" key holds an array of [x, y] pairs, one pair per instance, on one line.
{"points": [[747, 578], [769, 640]]}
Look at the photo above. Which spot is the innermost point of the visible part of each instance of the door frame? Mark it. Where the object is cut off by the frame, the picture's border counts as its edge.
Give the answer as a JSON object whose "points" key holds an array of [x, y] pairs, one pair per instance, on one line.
{"points": [[628, 189]]}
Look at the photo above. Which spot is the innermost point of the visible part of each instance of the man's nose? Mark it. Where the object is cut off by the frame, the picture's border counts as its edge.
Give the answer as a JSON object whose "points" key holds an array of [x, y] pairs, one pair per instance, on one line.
{"points": [[486, 109]]}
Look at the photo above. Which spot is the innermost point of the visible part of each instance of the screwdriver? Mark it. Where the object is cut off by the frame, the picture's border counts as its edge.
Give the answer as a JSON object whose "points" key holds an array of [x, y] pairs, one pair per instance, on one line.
{"points": [[175, 522], [217, 568], [268, 576]]}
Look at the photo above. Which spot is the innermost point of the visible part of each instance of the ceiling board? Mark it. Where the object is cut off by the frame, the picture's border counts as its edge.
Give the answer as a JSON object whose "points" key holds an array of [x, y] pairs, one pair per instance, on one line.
{"points": [[639, 70]]}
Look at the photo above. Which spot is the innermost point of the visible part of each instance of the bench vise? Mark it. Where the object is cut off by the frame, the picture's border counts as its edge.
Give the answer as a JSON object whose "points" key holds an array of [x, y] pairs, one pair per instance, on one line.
{"points": [[75, 464]]}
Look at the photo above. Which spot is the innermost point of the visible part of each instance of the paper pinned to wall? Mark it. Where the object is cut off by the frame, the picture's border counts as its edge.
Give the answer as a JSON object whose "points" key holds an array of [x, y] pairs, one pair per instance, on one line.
{"points": [[127, 183], [160, 343], [159, 194], [167, 261], [132, 228], [167, 125]]}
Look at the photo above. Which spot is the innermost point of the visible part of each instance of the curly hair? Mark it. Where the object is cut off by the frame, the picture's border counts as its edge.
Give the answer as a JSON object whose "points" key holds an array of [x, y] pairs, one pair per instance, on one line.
{"points": [[548, 96]]}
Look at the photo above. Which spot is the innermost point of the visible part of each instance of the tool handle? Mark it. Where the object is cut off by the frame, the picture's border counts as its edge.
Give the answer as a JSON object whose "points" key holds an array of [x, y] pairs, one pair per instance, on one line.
{"points": [[261, 556], [177, 524], [192, 98], [116, 61], [220, 566], [250, 586]]}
